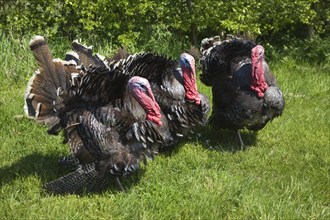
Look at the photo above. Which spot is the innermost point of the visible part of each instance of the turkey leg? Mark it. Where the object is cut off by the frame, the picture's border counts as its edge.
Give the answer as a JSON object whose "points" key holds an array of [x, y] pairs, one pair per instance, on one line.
{"points": [[240, 140]]}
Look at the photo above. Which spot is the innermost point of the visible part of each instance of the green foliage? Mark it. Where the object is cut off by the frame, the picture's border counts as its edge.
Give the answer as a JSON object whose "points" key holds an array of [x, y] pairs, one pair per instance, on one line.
{"points": [[243, 16], [284, 173], [315, 51], [163, 41], [279, 14], [14, 61], [130, 22]]}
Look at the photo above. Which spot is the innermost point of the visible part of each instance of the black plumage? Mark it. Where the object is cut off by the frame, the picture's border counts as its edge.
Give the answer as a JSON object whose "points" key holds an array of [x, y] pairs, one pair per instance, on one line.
{"points": [[245, 93]]}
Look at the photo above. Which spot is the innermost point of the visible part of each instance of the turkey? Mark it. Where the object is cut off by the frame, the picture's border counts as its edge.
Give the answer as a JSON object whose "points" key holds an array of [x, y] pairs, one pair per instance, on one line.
{"points": [[109, 141], [106, 141], [245, 93], [175, 88]]}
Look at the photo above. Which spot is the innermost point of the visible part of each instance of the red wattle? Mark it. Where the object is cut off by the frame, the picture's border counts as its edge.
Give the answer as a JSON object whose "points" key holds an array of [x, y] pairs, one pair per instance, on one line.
{"points": [[149, 105], [190, 85], [258, 83]]}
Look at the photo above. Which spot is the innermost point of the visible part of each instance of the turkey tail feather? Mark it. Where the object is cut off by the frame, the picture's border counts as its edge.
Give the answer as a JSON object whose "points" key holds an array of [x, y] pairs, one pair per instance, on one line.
{"points": [[41, 95], [86, 56], [44, 59]]}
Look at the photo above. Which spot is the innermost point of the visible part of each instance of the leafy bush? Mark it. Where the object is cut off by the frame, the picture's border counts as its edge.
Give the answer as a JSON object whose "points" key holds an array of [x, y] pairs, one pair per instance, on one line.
{"points": [[314, 51], [132, 22]]}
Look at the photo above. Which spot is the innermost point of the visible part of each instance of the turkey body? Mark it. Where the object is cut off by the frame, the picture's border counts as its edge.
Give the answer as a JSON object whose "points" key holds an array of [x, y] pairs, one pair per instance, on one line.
{"points": [[245, 93], [106, 140]]}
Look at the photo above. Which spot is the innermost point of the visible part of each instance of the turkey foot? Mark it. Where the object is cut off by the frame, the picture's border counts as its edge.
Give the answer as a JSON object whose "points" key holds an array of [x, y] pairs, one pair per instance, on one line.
{"points": [[240, 140]]}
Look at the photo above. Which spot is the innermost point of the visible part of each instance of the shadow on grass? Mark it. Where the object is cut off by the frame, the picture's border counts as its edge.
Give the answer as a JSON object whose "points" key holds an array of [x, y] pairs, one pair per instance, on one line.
{"points": [[47, 169], [220, 140], [224, 140]]}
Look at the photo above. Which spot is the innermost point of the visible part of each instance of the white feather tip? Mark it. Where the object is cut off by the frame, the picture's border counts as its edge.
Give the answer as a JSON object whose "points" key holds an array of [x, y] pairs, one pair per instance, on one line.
{"points": [[36, 38]]}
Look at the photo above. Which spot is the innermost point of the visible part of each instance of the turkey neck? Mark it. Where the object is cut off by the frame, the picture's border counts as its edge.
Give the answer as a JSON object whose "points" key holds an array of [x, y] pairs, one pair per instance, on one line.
{"points": [[149, 104], [190, 85], [258, 83]]}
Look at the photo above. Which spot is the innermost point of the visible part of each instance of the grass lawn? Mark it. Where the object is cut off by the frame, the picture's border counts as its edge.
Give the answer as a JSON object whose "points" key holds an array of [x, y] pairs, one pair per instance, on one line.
{"points": [[284, 173]]}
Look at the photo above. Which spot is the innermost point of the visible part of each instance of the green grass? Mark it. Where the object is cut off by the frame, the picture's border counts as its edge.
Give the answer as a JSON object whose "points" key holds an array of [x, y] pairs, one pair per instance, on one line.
{"points": [[284, 173]]}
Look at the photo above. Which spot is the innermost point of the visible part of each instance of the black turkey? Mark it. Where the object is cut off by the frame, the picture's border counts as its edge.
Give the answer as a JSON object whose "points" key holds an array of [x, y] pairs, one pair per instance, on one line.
{"points": [[110, 141], [106, 140], [245, 93], [175, 88]]}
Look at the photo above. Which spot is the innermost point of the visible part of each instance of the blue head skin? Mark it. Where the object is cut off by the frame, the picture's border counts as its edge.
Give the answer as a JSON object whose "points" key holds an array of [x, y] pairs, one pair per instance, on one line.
{"points": [[187, 61]]}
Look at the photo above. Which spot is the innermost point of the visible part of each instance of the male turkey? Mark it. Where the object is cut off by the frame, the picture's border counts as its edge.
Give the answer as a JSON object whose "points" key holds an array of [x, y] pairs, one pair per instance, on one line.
{"points": [[245, 93], [107, 140], [175, 88], [110, 141]]}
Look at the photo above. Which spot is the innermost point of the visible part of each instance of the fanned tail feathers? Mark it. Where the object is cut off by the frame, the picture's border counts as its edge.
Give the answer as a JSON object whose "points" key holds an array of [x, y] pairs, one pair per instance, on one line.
{"points": [[41, 93]]}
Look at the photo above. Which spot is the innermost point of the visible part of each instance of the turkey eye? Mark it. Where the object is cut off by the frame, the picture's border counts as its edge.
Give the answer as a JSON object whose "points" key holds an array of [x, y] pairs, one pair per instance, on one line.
{"points": [[143, 86]]}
